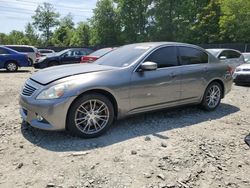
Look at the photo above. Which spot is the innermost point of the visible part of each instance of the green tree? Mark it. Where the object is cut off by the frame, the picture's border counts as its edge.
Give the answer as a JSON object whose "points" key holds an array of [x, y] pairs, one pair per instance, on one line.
{"points": [[63, 34], [207, 28], [31, 35], [133, 16], [17, 37], [235, 22], [67, 21], [3, 39], [45, 20], [104, 27], [81, 35]]}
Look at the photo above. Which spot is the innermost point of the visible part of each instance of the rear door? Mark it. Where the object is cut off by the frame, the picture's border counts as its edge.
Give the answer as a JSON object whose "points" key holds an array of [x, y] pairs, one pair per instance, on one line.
{"points": [[233, 58], [194, 67]]}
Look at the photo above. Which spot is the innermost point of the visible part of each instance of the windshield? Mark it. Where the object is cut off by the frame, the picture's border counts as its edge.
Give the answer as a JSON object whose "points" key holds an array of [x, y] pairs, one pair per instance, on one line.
{"points": [[62, 52], [123, 56], [247, 57], [101, 52]]}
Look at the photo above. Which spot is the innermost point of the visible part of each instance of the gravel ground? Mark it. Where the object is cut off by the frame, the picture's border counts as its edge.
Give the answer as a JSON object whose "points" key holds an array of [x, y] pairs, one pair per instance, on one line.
{"points": [[183, 147]]}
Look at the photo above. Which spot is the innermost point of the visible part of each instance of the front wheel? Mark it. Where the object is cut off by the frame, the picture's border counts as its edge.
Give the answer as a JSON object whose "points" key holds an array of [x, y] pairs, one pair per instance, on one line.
{"points": [[90, 115], [212, 97], [11, 67]]}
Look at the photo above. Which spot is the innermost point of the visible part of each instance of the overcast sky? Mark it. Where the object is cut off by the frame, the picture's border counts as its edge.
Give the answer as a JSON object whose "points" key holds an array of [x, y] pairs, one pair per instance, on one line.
{"points": [[15, 14]]}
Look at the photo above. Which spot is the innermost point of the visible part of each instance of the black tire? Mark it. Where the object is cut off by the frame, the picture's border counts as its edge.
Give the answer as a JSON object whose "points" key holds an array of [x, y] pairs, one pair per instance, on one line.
{"points": [[72, 114], [31, 62], [205, 103], [11, 66], [53, 63]]}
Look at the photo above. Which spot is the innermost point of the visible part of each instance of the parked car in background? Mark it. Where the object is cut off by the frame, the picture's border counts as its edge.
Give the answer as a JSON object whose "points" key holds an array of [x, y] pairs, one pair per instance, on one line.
{"points": [[246, 57], [86, 98], [31, 51], [242, 73], [46, 52], [69, 56], [11, 59], [232, 57], [95, 55]]}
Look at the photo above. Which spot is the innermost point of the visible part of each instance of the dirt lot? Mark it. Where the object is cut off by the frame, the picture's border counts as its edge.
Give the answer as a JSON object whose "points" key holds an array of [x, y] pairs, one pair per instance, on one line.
{"points": [[184, 147]]}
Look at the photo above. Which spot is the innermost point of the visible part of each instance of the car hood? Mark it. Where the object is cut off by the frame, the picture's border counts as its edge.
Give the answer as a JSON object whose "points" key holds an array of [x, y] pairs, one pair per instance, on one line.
{"points": [[245, 65], [52, 74]]}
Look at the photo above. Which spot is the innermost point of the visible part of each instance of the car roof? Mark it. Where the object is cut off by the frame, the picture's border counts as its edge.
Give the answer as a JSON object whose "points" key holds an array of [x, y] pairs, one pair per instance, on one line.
{"points": [[77, 49], [221, 49], [24, 46], [9, 49], [158, 44], [45, 49]]}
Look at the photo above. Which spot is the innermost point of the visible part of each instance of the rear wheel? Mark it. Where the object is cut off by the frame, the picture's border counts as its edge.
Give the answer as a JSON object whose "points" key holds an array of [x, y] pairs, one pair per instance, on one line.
{"points": [[11, 66], [90, 116], [212, 97]]}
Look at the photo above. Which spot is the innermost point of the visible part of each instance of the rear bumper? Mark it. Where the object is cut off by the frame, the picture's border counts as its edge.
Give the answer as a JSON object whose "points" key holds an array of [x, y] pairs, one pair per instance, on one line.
{"points": [[241, 78]]}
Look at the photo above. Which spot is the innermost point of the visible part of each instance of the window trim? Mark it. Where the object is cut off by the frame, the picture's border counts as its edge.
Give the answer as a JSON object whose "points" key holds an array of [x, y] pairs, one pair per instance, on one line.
{"points": [[136, 69], [151, 52], [228, 51], [179, 55]]}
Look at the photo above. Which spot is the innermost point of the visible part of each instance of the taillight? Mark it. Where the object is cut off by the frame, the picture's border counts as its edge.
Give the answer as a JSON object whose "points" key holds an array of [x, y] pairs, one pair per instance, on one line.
{"points": [[84, 59]]}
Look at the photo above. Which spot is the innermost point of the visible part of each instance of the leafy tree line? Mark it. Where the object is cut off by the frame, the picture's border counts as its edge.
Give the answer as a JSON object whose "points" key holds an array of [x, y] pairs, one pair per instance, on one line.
{"points": [[117, 22]]}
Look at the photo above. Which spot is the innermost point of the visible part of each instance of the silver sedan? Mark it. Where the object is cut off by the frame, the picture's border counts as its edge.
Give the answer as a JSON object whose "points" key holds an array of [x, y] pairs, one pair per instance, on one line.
{"points": [[86, 98], [242, 73]]}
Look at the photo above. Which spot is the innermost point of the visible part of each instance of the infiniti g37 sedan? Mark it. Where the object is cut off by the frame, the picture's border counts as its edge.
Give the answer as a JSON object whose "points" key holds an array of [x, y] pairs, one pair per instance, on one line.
{"points": [[86, 98]]}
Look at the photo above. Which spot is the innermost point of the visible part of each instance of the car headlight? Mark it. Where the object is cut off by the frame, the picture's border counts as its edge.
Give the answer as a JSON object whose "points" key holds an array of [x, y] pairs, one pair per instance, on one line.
{"points": [[238, 69], [56, 91]]}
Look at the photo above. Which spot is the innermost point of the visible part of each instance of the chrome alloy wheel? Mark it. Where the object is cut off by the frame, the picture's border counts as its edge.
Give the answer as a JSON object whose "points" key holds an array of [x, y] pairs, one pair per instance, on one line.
{"points": [[11, 67], [91, 116], [213, 96]]}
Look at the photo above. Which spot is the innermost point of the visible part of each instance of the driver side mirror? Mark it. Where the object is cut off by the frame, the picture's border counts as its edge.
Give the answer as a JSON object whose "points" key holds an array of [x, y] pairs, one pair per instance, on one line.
{"points": [[148, 66], [223, 58]]}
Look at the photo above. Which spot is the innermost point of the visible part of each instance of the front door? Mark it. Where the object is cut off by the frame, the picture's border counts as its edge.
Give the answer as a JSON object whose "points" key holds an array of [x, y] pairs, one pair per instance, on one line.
{"points": [[158, 88]]}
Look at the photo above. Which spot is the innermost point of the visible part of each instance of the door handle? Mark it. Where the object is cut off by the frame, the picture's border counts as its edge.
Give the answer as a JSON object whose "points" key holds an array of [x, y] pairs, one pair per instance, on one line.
{"points": [[206, 69]]}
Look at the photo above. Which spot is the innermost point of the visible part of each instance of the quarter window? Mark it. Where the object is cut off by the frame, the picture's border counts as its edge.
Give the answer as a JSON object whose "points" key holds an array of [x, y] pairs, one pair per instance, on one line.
{"points": [[21, 48], [190, 56], [229, 54], [164, 57]]}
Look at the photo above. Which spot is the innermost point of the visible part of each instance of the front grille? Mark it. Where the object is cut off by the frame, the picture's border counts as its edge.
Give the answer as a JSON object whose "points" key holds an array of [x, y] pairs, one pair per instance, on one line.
{"points": [[28, 90], [246, 69]]}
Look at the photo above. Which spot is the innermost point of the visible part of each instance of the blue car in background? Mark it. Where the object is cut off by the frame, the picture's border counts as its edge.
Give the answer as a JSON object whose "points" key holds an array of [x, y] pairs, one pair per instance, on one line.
{"points": [[11, 59]]}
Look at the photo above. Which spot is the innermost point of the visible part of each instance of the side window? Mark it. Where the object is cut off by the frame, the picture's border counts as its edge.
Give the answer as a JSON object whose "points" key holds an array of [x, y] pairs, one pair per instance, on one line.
{"points": [[190, 56], [3, 51], [69, 54], [233, 54], [224, 53], [164, 57], [82, 52], [22, 49]]}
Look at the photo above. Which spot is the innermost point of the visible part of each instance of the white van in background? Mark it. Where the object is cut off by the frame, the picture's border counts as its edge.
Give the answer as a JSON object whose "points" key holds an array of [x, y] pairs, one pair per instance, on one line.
{"points": [[31, 51]]}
